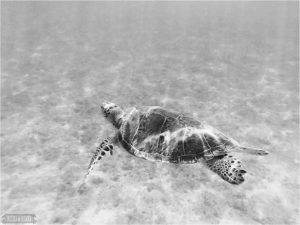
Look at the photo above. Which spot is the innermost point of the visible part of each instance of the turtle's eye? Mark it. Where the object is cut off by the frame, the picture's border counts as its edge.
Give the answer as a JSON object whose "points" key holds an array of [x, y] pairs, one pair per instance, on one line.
{"points": [[107, 111]]}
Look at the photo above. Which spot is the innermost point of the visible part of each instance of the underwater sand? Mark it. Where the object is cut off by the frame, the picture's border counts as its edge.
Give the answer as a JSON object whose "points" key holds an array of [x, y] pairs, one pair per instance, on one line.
{"points": [[234, 65]]}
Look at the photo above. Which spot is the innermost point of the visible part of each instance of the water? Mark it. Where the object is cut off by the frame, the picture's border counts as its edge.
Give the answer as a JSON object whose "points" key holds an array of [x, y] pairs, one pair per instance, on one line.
{"points": [[234, 65]]}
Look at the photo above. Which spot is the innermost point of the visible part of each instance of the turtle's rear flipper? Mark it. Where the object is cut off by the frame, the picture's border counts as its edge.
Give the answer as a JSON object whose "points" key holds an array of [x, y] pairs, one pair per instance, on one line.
{"points": [[253, 151], [228, 167], [103, 149]]}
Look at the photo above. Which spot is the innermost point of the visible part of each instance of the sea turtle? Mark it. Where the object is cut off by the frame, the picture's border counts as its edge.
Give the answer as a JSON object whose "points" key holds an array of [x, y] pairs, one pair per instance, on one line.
{"points": [[158, 134]]}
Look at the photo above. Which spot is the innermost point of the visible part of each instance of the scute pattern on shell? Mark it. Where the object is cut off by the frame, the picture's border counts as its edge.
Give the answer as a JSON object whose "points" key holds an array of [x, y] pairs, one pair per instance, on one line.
{"points": [[173, 136]]}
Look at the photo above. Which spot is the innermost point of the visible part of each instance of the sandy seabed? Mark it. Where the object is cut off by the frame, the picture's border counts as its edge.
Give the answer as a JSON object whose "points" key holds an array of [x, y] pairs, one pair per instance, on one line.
{"points": [[234, 65]]}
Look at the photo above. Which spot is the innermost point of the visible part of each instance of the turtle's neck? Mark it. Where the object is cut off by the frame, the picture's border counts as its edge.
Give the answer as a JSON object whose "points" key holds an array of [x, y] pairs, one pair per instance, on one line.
{"points": [[117, 118]]}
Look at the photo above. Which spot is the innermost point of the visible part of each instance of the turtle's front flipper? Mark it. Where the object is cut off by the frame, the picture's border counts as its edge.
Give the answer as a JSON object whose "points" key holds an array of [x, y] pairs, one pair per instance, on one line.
{"points": [[106, 147], [228, 167]]}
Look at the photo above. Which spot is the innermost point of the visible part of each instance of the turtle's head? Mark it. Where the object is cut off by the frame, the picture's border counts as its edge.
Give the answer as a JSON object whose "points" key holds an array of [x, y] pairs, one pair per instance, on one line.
{"points": [[113, 113]]}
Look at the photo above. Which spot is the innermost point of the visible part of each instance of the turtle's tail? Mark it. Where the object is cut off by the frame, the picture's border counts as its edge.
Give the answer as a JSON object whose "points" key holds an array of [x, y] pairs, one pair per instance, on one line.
{"points": [[248, 150], [228, 167]]}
